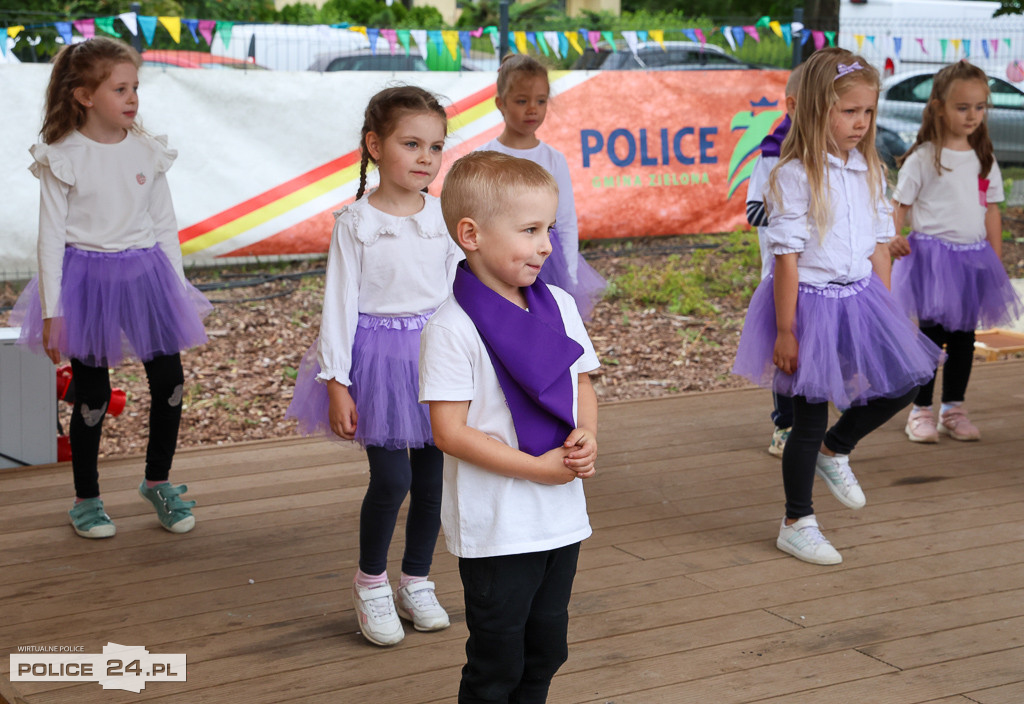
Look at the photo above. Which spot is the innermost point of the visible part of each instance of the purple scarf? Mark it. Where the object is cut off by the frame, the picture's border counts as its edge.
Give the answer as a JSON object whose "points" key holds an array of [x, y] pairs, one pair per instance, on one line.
{"points": [[531, 355], [772, 144]]}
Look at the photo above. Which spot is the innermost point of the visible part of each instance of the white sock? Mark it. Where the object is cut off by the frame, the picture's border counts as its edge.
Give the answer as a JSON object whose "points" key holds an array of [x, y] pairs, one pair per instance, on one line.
{"points": [[946, 407]]}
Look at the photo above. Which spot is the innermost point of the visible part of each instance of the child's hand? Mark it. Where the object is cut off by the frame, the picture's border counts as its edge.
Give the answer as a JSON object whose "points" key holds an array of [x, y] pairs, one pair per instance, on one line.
{"points": [[786, 351], [342, 413], [899, 247], [554, 469], [582, 446], [50, 333]]}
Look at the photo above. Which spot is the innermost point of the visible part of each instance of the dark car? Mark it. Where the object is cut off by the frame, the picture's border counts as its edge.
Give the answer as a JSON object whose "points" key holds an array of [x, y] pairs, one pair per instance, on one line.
{"points": [[364, 60], [675, 56]]}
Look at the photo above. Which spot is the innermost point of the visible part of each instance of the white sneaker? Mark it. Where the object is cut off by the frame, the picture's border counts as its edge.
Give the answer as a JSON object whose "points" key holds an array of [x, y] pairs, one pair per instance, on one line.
{"points": [[375, 609], [417, 602], [804, 541], [840, 480]]}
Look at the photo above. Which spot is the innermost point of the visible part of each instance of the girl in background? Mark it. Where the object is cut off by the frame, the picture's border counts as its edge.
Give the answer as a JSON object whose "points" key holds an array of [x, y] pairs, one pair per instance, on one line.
{"points": [[111, 283], [823, 326], [390, 266], [948, 274], [522, 97]]}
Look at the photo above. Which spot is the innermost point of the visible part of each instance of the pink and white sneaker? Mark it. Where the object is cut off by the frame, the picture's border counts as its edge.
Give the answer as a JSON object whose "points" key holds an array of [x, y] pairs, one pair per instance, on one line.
{"points": [[956, 425], [921, 426]]}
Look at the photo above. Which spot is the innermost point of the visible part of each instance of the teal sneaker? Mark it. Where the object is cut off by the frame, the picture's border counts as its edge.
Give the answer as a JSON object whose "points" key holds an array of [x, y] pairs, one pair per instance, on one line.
{"points": [[90, 520], [175, 515]]}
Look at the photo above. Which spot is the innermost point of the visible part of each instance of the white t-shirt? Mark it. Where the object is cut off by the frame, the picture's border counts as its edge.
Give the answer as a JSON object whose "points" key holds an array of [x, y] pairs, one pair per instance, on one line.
{"points": [[102, 198], [485, 514], [384, 265], [947, 205], [860, 220], [756, 188], [565, 218]]}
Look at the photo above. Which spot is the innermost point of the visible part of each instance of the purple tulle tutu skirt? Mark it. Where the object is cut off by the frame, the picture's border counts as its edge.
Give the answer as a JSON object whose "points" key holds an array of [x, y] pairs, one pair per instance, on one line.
{"points": [[115, 305], [855, 344], [385, 386], [589, 286], [957, 286]]}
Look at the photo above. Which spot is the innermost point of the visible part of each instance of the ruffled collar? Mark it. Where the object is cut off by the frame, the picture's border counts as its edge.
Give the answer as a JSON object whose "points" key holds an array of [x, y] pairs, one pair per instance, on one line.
{"points": [[855, 161], [369, 224]]}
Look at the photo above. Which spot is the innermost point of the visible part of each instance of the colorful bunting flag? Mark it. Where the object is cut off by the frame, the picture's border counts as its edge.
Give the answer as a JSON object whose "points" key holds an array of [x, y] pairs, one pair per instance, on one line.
{"points": [[64, 30], [148, 25], [450, 37], [897, 44], [740, 35], [206, 30], [632, 41], [173, 27], [224, 31], [192, 26], [574, 40], [403, 38], [594, 37], [967, 48], [658, 35], [465, 38], [15, 30], [727, 33], [752, 31], [87, 28], [819, 39], [542, 43], [831, 37], [700, 37], [776, 27], [131, 21], [420, 37], [531, 37], [787, 34], [858, 39], [554, 40], [519, 39], [564, 41], [610, 38], [920, 41], [391, 36], [373, 34], [942, 46]]}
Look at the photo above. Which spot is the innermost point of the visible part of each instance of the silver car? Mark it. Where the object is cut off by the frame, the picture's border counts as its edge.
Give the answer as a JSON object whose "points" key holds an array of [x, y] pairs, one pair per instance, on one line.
{"points": [[902, 102]]}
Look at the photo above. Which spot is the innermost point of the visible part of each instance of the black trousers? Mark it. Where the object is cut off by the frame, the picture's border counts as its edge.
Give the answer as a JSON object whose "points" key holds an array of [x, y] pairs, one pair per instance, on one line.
{"points": [[393, 474], [518, 619], [92, 393], [956, 371], [810, 421]]}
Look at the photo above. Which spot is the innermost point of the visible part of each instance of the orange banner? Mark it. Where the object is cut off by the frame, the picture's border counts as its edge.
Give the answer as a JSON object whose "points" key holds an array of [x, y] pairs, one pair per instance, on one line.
{"points": [[662, 153]]}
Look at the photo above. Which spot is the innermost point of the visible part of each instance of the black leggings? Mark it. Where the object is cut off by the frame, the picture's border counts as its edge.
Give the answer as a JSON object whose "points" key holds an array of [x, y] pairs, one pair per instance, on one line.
{"points": [[92, 393], [956, 372], [393, 474], [810, 421]]}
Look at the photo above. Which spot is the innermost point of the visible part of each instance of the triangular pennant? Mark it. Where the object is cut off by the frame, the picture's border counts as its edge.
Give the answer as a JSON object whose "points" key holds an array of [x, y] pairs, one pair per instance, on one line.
{"points": [[819, 39], [373, 34], [610, 38], [920, 41], [740, 35], [173, 27], [690, 34], [871, 38], [804, 37], [87, 28], [420, 37], [658, 35], [995, 46], [542, 43], [700, 37], [403, 36], [496, 43], [224, 31], [106, 24], [392, 38], [519, 39], [631, 41], [574, 41], [727, 33], [594, 37], [831, 37], [131, 22], [787, 34], [147, 24], [967, 48], [64, 30], [642, 35], [752, 31], [554, 40], [206, 30], [563, 43], [512, 43], [192, 26], [359, 29], [956, 45], [532, 38], [1008, 43], [450, 37], [897, 44], [478, 32], [942, 47], [15, 30], [858, 39], [776, 27], [763, 22], [466, 39]]}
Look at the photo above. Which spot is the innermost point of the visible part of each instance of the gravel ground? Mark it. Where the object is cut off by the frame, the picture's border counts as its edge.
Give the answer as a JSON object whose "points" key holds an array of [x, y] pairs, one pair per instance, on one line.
{"points": [[238, 386]]}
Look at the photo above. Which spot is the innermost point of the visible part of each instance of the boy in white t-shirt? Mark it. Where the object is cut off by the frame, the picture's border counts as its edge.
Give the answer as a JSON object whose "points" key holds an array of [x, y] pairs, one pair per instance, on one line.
{"points": [[503, 366]]}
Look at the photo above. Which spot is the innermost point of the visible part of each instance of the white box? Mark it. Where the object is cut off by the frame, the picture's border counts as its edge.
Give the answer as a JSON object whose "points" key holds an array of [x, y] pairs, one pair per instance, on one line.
{"points": [[28, 404]]}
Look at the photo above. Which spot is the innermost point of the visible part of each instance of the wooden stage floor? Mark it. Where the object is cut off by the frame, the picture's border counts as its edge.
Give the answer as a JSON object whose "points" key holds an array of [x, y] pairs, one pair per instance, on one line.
{"points": [[681, 594]]}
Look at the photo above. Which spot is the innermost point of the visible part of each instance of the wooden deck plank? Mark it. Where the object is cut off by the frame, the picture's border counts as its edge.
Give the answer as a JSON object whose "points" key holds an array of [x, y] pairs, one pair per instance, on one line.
{"points": [[680, 595]]}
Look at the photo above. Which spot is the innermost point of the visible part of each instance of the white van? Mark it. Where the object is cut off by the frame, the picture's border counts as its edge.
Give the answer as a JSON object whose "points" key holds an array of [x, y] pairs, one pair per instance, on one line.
{"points": [[289, 47], [904, 35]]}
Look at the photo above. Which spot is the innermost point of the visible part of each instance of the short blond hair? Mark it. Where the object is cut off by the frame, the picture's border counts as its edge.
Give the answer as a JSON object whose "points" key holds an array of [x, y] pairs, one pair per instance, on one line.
{"points": [[480, 185]]}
